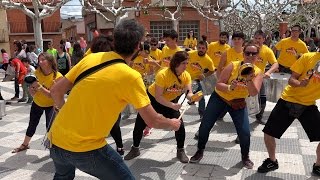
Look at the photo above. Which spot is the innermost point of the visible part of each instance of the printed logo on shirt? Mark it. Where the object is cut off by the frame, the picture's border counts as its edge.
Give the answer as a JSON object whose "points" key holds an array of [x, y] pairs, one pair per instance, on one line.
{"points": [[291, 50], [218, 53], [139, 66], [196, 66], [175, 89]]}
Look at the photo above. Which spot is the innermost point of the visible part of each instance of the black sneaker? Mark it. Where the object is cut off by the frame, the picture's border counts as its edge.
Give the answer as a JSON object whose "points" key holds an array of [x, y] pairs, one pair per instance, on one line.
{"points": [[134, 152], [237, 141], [268, 165], [197, 156], [120, 151], [316, 170], [260, 119]]}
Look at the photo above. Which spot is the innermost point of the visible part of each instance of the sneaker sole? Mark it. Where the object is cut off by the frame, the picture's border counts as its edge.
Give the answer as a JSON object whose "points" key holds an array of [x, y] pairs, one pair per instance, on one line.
{"points": [[267, 170], [193, 161]]}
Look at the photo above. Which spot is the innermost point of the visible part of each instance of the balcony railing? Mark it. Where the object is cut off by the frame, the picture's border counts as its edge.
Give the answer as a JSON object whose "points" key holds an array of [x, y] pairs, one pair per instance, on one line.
{"points": [[23, 27]]}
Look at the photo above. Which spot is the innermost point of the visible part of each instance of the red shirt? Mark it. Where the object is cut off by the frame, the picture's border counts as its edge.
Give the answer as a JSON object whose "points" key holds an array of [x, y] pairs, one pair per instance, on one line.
{"points": [[19, 66]]}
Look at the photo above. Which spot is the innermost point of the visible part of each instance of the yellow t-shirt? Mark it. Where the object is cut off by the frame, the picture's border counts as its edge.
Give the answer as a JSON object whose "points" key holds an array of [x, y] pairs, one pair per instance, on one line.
{"points": [[265, 55], [140, 66], [285, 58], [215, 50], [169, 82], [232, 55], [190, 43], [156, 55], [309, 94], [46, 81], [198, 63], [95, 102], [167, 54], [241, 90]]}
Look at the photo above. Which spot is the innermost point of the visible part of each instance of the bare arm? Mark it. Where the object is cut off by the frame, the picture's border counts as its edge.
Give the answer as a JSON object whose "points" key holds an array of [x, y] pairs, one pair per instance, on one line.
{"points": [[294, 82], [59, 89], [69, 60], [155, 120], [223, 79], [222, 63], [254, 84], [273, 68]]}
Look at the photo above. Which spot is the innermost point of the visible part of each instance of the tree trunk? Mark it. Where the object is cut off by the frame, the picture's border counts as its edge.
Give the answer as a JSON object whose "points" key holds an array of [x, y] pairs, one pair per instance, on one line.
{"points": [[309, 31], [37, 33], [175, 24]]}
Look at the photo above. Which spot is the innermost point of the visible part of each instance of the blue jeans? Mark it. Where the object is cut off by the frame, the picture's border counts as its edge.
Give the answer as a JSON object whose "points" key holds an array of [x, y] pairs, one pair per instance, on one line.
{"points": [[103, 163], [240, 119], [202, 102]]}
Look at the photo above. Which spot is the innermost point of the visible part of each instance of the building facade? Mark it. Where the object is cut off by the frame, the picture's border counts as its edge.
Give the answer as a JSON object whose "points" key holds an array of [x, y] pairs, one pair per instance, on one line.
{"points": [[20, 27]]}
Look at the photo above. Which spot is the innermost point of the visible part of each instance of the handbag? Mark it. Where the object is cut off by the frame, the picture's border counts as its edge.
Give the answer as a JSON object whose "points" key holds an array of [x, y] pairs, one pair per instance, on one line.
{"points": [[46, 142], [236, 104]]}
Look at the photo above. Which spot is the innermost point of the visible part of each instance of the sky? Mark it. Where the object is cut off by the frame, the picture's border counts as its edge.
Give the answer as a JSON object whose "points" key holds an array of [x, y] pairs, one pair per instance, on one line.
{"points": [[71, 9]]}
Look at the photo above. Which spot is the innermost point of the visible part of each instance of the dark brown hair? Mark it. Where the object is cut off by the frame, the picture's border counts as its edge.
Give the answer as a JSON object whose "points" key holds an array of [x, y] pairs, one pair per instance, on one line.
{"points": [[176, 60]]}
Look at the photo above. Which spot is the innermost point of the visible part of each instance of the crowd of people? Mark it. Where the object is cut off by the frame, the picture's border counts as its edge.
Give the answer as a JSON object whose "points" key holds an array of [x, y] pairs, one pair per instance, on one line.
{"points": [[152, 78]]}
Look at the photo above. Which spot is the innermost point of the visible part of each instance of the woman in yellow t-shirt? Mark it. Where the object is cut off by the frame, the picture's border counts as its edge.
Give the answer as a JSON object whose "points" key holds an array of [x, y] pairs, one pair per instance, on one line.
{"points": [[47, 74], [234, 85], [164, 94], [190, 43]]}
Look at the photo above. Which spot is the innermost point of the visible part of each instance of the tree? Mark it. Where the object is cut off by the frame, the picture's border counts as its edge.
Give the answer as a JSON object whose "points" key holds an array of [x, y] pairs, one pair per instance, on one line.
{"points": [[115, 9], [308, 17], [41, 11]]}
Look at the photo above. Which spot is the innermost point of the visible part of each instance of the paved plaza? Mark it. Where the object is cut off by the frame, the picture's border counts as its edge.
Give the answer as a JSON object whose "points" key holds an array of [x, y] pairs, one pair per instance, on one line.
{"points": [[222, 160]]}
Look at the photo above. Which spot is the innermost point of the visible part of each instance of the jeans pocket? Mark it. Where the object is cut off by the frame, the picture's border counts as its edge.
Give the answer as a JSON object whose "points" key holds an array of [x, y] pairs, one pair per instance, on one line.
{"points": [[84, 161]]}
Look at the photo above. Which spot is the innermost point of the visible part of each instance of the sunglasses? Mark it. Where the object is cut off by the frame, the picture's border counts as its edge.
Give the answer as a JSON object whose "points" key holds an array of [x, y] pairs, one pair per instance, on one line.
{"points": [[248, 53], [153, 44]]}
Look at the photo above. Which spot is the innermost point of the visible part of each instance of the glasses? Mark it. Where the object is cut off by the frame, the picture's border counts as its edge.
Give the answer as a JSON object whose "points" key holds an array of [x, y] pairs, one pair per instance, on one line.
{"points": [[295, 30], [248, 53]]}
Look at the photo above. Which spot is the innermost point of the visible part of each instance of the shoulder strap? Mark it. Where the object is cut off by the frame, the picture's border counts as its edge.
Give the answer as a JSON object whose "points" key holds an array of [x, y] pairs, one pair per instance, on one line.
{"points": [[96, 68]]}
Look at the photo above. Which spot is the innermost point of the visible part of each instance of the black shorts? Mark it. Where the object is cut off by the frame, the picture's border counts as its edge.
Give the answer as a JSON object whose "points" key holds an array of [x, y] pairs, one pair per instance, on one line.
{"points": [[279, 121]]}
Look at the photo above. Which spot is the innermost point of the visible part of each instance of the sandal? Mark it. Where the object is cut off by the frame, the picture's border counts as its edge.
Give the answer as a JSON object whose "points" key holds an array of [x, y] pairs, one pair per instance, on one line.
{"points": [[21, 148]]}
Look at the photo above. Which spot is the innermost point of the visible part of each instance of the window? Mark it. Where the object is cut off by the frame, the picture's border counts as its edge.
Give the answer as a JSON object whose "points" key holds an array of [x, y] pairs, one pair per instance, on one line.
{"points": [[157, 28], [185, 27]]}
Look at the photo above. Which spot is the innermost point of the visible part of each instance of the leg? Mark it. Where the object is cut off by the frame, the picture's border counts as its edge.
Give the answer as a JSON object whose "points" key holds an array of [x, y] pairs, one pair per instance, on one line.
{"points": [[107, 164], [214, 108], [263, 103], [116, 133], [241, 122], [25, 92], [270, 143], [278, 122], [202, 103], [35, 115], [16, 88], [137, 136], [64, 170]]}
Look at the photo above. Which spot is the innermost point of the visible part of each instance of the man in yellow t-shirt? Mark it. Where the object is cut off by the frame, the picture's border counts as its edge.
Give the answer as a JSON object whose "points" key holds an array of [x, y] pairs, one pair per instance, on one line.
{"points": [[216, 49], [266, 55], [298, 101], [232, 54], [200, 65], [171, 37], [79, 130], [155, 52], [291, 49]]}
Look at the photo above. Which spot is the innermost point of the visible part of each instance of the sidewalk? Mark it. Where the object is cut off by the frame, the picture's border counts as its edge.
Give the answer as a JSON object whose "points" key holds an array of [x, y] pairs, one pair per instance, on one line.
{"points": [[222, 160]]}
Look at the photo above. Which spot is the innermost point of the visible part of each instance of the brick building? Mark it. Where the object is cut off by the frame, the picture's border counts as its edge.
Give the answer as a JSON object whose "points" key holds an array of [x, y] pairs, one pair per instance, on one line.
{"points": [[73, 29], [155, 24], [21, 27]]}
